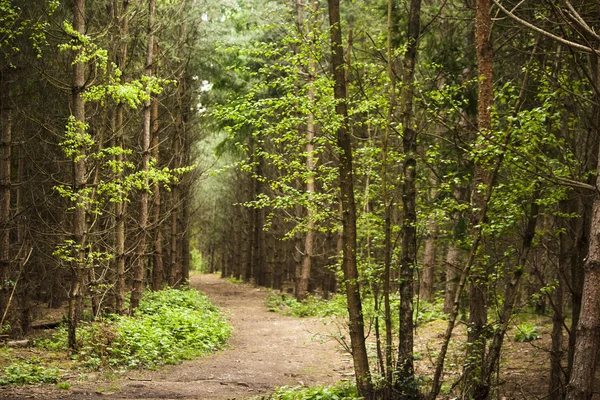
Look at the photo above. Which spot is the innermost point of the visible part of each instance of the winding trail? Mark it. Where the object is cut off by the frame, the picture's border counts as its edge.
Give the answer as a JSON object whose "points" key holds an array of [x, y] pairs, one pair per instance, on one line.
{"points": [[267, 350]]}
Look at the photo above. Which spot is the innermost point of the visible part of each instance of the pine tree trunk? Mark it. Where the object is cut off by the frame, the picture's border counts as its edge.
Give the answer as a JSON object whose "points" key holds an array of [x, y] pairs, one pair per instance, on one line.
{"points": [[5, 186], [140, 264], [119, 233], [79, 183], [587, 341], [157, 264]]}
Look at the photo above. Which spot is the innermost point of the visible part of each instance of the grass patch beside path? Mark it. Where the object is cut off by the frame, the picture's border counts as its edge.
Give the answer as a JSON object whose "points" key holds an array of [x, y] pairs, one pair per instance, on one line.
{"points": [[169, 326]]}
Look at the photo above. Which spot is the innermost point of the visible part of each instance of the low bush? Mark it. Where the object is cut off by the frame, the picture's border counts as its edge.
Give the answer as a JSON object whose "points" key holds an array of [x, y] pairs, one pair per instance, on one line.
{"points": [[169, 326], [527, 332], [29, 372], [341, 391], [309, 307]]}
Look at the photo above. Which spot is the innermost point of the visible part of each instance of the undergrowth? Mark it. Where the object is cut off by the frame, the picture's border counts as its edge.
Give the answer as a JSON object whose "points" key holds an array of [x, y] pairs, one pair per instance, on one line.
{"points": [[169, 326], [309, 307], [342, 391], [337, 306], [29, 372]]}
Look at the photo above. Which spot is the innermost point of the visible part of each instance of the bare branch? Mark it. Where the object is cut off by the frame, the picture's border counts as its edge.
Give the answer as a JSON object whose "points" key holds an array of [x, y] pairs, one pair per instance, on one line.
{"points": [[529, 25]]}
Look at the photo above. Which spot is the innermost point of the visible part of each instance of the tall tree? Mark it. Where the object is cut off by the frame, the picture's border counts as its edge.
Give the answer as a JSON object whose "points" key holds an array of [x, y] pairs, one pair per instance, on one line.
{"points": [[140, 264], [408, 255], [79, 176], [346, 179]]}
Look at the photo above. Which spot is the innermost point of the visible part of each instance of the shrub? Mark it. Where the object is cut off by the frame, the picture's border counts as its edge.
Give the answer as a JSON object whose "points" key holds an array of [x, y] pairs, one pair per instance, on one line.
{"points": [[341, 391], [28, 372], [169, 326], [527, 332]]}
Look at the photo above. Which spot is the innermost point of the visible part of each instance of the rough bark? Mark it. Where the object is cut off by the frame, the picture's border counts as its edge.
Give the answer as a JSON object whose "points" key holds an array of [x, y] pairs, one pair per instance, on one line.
{"points": [[408, 255], [474, 370], [5, 186], [587, 339], [356, 324], [137, 286], [79, 183]]}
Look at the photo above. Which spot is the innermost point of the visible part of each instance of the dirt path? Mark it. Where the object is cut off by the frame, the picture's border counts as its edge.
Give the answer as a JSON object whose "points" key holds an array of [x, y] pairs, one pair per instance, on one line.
{"points": [[267, 350]]}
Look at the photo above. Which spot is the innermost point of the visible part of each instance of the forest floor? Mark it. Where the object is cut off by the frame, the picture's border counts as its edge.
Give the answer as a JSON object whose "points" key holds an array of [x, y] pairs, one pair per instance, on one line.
{"points": [[267, 350]]}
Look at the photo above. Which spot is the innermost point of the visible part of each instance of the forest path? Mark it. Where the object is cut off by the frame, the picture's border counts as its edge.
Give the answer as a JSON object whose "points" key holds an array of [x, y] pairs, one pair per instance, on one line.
{"points": [[267, 350]]}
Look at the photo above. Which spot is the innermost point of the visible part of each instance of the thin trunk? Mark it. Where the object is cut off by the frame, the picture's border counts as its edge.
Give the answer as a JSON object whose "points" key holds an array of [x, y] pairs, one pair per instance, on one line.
{"points": [[79, 184], [5, 185], [388, 203], [408, 255], [565, 247], [140, 264], [302, 287], [120, 205], [453, 263], [510, 295], [157, 264], [356, 325], [185, 238], [429, 254], [175, 266], [258, 250], [476, 343]]}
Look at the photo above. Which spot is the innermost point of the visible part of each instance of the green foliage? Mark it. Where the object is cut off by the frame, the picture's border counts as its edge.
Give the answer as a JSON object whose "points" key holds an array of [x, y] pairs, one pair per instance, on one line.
{"points": [[28, 372], [427, 312], [169, 326], [63, 385], [527, 332], [342, 391], [309, 307]]}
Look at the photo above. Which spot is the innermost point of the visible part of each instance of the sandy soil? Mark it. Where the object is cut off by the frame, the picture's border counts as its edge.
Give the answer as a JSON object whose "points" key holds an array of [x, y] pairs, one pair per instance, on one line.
{"points": [[267, 350]]}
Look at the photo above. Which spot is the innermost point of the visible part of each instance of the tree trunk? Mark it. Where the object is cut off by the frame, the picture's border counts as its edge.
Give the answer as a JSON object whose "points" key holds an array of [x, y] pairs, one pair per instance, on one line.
{"points": [[453, 264], [473, 381], [79, 184], [408, 256], [426, 291], [357, 333], [565, 247], [5, 186], [140, 264], [302, 286], [587, 338], [157, 264]]}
